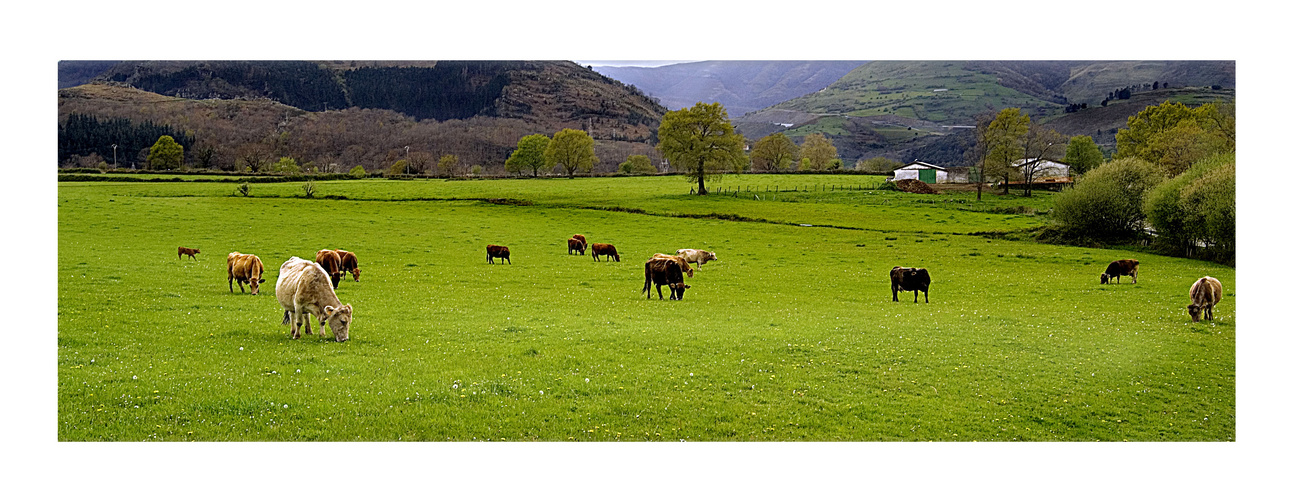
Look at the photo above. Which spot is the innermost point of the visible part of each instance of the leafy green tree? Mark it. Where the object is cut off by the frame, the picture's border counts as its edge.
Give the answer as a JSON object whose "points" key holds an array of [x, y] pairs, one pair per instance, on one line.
{"points": [[165, 154], [573, 150], [1003, 146], [398, 168], [447, 165], [701, 142], [1197, 207], [529, 155], [878, 165], [359, 172], [1176, 136], [286, 164], [1107, 203], [638, 164], [774, 152], [1082, 154], [818, 149]]}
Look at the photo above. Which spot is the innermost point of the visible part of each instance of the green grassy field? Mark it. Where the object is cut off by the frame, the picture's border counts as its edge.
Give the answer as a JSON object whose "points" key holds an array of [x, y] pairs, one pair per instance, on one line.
{"points": [[791, 336]]}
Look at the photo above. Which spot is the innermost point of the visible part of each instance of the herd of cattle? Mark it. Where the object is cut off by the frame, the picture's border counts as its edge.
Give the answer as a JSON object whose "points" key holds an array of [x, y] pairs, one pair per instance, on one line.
{"points": [[308, 288]]}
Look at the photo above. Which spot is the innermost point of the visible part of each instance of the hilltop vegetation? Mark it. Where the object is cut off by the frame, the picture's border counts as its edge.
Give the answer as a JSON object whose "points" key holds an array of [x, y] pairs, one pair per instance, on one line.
{"points": [[336, 116]]}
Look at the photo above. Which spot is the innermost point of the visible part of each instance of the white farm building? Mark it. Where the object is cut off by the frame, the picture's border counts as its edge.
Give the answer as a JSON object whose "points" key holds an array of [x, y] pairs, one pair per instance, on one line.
{"points": [[1043, 168], [925, 172]]}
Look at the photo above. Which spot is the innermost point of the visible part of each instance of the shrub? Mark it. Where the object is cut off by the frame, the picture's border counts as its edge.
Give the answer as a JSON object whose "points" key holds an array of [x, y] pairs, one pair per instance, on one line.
{"points": [[287, 165], [637, 164], [245, 189], [1107, 202], [1197, 209], [309, 188], [358, 172]]}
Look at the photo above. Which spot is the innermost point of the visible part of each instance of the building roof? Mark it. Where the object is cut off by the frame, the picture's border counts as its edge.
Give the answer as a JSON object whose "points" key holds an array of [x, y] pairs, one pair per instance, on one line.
{"points": [[1024, 161], [918, 165]]}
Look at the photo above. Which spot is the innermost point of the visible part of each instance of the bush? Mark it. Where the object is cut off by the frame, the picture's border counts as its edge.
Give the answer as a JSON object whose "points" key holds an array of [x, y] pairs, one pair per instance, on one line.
{"points": [[245, 189], [309, 188], [1196, 211], [358, 172], [1107, 202]]}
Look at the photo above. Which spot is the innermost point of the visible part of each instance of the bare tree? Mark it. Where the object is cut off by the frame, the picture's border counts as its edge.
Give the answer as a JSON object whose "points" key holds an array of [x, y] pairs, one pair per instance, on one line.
{"points": [[1039, 144]]}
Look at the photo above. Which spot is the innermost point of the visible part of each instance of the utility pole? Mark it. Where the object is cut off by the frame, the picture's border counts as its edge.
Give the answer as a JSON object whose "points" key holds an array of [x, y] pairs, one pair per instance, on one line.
{"points": [[114, 156], [406, 160]]}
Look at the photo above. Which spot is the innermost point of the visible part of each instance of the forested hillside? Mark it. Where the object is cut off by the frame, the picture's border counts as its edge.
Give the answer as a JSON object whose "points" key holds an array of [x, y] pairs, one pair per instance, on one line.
{"points": [[340, 114]]}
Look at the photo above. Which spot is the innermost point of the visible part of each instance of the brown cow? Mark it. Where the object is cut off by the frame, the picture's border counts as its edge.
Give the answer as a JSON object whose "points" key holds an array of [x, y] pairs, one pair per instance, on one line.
{"points": [[580, 237], [1123, 267], [349, 263], [245, 268], [605, 249], [1205, 293], [188, 251], [664, 272], [303, 290], [497, 252], [683, 263], [332, 264], [574, 245]]}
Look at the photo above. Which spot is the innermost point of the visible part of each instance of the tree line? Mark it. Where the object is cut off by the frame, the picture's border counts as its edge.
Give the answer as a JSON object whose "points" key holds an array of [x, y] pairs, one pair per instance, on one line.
{"points": [[87, 141]]}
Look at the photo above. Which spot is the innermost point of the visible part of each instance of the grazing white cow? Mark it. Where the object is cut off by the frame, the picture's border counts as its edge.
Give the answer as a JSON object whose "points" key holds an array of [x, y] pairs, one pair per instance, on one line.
{"points": [[304, 288], [698, 257], [1205, 294]]}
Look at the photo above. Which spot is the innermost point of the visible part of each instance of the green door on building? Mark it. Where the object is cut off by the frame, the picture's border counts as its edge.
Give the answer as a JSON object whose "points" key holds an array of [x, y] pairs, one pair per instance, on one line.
{"points": [[926, 175]]}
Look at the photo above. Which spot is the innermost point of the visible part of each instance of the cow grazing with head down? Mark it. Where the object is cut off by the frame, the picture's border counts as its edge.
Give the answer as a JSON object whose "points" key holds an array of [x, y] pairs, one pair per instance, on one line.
{"points": [[332, 264], [191, 252], [303, 289], [1123, 267], [1205, 293], [698, 257], [497, 252], [909, 279], [664, 272], [605, 249], [245, 268], [682, 263], [574, 245], [582, 239], [349, 263]]}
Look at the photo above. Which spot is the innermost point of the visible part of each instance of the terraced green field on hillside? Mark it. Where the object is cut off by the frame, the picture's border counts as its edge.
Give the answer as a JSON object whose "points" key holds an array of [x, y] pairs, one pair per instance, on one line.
{"points": [[791, 336]]}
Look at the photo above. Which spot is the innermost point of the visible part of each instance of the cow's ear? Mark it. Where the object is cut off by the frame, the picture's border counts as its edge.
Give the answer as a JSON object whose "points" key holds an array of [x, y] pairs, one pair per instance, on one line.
{"points": [[328, 310], [262, 280]]}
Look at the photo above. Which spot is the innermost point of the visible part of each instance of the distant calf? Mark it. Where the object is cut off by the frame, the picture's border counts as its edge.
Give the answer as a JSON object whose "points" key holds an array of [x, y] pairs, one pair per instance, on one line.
{"points": [[497, 252], [664, 272], [698, 257], [245, 268], [1123, 267], [909, 279], [303, 290], [332, 264], [349, 263], [605, 249], [574, 245], [682, 263], [1205, 293], [188, 251]]}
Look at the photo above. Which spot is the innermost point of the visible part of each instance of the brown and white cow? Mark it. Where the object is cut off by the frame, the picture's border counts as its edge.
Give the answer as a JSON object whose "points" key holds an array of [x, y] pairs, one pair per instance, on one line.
{"points": [[695, 256], [1205, 293], [349, 263], [682, 263], [497, 252], [188, 251], [605, 249], [664, 272], [303, 289], [245, 268], [1123, 267], [910, 279], [574, 245], [332, 264]]}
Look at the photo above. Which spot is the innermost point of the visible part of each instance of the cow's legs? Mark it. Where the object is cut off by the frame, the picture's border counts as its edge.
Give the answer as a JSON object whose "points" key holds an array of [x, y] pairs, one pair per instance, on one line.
{"points": [[305, 320], [296, 325], [926, 295], [915, 296], [240, 287], [231, 285]]}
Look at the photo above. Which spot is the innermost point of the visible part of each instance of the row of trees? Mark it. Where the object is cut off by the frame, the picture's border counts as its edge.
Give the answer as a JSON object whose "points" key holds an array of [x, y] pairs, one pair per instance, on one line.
{"points": [[777, 153], [1173, 175]]}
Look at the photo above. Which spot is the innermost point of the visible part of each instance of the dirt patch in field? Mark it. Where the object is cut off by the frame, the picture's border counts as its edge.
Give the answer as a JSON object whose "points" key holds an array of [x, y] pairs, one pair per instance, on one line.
{"points": [[914, 186]]}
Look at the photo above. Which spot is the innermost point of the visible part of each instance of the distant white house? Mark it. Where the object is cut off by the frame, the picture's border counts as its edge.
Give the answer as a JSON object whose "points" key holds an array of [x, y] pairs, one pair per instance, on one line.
{"points": [[922, 171], [1043, 169]]}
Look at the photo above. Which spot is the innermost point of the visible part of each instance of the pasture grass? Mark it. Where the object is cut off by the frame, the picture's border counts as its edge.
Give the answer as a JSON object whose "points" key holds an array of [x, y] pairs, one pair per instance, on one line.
{"points": [[791, 336]]}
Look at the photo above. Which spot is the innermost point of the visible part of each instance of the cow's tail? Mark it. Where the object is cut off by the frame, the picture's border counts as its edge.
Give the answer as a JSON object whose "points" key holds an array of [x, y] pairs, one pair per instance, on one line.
{"points": [[286, 316], [647, 280]]}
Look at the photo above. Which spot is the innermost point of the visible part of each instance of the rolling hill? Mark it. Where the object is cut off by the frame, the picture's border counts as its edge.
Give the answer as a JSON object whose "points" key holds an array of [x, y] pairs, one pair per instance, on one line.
{"points": [[741, 86]]}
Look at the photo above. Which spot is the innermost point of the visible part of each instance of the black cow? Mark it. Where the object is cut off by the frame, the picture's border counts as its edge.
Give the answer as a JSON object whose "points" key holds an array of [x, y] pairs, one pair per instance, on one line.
{"points": [[664, 272], [909, 279], [1123, 267], [497, 252]]}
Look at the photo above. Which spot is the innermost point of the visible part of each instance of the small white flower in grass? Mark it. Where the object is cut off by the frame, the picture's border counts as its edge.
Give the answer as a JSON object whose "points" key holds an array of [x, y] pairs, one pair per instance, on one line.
{"points": [[240, 348], [134, 377], [586, 381], [541, 393], [285, 406]]}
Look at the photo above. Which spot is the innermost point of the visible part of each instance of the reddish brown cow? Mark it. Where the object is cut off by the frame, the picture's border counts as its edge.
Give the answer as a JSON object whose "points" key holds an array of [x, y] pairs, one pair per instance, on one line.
{"points": [[574, 245], [1124, 267], [497, 252], [188, 251], [245, 268], [605, 249], [1205, 294], [332, 264], [664, 272], [349, 263], [581, 237]]}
